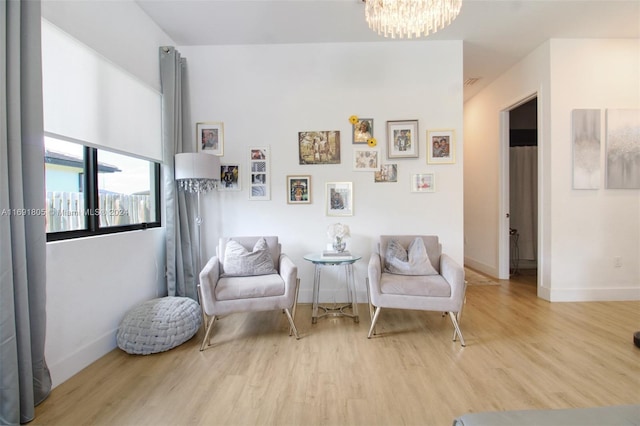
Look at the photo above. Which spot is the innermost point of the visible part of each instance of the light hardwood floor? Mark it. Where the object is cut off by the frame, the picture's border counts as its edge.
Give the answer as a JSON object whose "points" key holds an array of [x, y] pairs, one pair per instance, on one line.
{"points": [[522, 353]]}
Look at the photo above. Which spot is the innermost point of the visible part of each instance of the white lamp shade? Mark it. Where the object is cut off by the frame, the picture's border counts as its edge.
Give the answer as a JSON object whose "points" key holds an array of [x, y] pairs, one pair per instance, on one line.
{"points": [[190, 165]]}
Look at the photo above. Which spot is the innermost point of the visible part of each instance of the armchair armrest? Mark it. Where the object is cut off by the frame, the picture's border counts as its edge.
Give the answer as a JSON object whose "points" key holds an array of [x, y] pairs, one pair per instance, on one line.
{"points": [[454, 274], [374, 273], [288, 272], [208, 279]]}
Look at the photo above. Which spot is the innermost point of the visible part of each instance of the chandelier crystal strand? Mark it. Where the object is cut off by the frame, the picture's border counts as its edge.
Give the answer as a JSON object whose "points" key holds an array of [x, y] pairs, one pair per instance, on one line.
{"points": [[197, 185], [410, 18]]}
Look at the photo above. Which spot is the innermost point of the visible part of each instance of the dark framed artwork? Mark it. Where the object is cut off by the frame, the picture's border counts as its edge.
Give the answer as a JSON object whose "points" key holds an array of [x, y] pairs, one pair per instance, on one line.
{"points": [[299, 189], [362, 130], [319, 147], [229, 177]]}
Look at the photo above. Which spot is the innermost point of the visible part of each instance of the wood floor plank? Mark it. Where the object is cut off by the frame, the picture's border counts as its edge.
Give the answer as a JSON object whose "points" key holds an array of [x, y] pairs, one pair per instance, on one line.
{"points": [[522, 353]]}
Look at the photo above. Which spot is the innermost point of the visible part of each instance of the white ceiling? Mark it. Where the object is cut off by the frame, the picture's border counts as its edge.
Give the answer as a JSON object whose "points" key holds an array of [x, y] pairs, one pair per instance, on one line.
{"points": [[496, 33]]}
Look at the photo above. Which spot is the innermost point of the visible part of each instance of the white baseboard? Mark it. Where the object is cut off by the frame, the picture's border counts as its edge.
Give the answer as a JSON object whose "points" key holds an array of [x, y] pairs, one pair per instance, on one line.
{"points": [[492, 271], [594, 294], [80, 358]]}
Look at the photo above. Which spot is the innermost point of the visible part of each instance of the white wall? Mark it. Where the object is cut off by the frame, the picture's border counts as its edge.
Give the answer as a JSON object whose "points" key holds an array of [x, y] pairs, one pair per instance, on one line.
{"points": [[485, 211], [265, 95], [592, 227], [93, 282], [580, 231]]}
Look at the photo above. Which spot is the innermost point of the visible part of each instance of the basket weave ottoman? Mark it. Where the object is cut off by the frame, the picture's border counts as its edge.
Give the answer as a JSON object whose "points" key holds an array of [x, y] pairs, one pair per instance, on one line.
{"points": [[158, 325]]}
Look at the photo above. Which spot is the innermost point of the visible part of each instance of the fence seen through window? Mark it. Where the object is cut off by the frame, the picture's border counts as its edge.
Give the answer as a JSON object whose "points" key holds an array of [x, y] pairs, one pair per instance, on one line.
{"points": [[93, 189]]}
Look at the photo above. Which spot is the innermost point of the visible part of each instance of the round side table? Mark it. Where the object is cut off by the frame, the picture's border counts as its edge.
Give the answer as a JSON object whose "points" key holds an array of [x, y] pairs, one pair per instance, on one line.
{"points": [[320, 262]]}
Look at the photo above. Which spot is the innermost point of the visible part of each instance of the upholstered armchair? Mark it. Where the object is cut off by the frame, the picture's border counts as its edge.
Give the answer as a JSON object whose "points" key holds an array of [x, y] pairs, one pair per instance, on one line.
{"points": [[411, 272], [248, 274]]}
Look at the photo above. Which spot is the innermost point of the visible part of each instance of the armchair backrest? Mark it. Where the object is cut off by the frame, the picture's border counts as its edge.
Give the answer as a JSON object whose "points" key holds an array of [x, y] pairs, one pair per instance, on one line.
{"points": [[248, 243], [431, 243]]}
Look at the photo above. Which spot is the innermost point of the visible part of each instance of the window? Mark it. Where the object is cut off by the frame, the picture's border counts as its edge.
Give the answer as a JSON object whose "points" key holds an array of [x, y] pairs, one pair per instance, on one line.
{"points": [[93, 191]]}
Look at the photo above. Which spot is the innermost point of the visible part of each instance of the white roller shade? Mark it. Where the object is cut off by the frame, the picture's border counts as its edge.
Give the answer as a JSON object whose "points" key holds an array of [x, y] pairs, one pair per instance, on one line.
{"points": [[88, 99]]}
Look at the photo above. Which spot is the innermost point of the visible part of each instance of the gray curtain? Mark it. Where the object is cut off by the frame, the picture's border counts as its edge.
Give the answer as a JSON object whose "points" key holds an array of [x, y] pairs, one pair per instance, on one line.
{"points": [[24, 377], [181, 254]]}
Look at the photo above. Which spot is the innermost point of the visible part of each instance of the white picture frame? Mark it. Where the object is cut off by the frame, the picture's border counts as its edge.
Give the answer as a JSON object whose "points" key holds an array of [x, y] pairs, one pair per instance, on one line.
{"points": [[259, 179], [366, 159], [339, 198], [423, 182], [210, 138]]}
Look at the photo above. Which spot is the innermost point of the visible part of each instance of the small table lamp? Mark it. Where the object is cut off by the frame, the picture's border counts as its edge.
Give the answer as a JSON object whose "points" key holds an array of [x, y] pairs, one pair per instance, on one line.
{"points": [[197, 173]]}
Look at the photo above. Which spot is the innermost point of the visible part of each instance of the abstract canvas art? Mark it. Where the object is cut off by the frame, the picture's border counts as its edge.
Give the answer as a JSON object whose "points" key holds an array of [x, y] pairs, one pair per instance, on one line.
{"points": [[586, 148], [623, 149]]}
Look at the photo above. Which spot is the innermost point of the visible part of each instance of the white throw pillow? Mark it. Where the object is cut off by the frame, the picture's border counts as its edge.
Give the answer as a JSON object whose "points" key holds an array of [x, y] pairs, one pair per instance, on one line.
{"points": [[239, 262], [414, 261]]}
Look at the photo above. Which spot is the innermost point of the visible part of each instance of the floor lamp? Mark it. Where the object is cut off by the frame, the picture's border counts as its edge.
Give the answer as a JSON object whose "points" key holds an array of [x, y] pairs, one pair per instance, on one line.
{"points": [[197, 173]]}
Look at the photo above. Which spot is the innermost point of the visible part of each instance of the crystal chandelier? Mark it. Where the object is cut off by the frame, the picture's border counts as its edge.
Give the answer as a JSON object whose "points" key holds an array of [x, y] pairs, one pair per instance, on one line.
{"points": [[410, 18]]}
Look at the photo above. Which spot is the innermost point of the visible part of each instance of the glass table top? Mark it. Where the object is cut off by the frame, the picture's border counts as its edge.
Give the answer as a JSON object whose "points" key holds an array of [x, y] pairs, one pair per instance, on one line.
{"points": [[331, 259]]}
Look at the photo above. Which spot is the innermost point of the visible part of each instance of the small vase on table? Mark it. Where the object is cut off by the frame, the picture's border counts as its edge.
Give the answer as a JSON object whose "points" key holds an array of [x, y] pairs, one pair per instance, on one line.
{"points": [[339, 245]]}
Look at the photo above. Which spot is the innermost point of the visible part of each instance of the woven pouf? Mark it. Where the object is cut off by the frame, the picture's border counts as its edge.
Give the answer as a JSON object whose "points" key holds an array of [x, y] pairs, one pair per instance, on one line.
{"points": [[159, 325]]}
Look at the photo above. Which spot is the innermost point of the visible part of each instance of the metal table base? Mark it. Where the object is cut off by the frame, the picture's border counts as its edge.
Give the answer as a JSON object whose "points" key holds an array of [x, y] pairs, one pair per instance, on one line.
{"points": [[338, 310]]}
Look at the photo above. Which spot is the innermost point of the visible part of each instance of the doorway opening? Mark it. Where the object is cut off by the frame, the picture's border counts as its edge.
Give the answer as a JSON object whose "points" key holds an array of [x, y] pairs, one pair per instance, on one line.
{"points": [[523, 189]]}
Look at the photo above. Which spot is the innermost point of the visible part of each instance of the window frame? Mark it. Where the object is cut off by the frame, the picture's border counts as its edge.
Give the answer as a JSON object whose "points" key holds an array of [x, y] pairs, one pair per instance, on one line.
{"points": [[91, 203]]}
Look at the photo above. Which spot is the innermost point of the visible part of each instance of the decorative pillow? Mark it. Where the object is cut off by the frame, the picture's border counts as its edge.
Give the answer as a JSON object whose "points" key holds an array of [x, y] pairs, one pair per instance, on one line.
{"points": [[415, 261], [239, 262], [396, 251]]}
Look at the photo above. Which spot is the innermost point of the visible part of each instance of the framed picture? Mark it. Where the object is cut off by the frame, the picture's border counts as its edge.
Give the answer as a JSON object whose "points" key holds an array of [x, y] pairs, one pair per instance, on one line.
{"points": [[402, 139], [366, 159], [299, 189], [259, 173], [387, 173], [339, 199], [321, 147], [441, 147], [423, 182], [229, 177], [210, 138], [362, 130]]}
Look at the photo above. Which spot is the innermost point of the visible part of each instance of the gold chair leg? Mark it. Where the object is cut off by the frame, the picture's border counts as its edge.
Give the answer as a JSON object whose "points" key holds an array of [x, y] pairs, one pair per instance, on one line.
{"points": [[369, 299], [207, 335], [371, 307], [373, 322], [456, 327], [292, 324], [295, 305], [464, 302], [459, 316], [205, 318]]}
